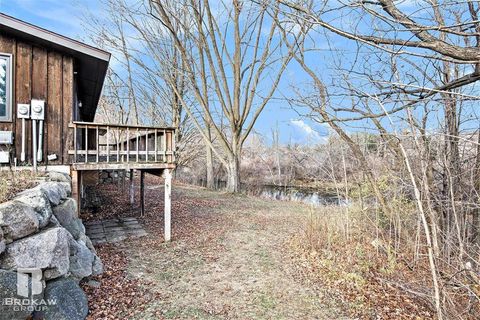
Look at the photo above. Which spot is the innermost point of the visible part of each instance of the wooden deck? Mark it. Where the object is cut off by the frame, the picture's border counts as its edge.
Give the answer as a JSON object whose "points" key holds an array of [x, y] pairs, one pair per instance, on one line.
{"points": [[100, 146]]}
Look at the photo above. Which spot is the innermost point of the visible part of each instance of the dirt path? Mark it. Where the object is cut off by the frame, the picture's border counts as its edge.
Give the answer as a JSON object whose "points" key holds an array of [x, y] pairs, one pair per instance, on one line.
{"points": [[229, 260]]}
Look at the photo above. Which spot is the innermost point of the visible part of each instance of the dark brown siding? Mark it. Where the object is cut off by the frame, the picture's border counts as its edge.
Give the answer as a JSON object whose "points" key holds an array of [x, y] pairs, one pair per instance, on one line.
{"points": [[54, 109], [45, 75], [39, 81], [23, 88], [67, 106]]}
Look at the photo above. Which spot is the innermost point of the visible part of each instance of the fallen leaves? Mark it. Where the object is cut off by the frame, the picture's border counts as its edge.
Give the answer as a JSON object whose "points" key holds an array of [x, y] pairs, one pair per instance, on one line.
{"points": [[119, 296]]}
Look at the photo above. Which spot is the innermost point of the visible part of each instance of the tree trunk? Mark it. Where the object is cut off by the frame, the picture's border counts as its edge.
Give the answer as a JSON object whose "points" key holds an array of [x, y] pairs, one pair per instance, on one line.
{"points": [[233, 174], [475, 234], [209, 164], [452, 223]]}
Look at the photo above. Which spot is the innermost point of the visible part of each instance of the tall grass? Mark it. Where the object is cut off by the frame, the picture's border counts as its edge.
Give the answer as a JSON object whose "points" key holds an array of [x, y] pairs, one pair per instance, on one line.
{"points": [[378, 266]]}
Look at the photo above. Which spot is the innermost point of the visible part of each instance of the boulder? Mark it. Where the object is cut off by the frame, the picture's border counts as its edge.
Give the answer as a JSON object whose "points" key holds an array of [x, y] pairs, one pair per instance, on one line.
{"points": [[8, 290], [59, 177], [55, 191], [71, 301], [89, 244], [38, 200], [47, 250], [81, 260], [3, 244], [17, 220], [97, 268], [53, 222], [66, 214], [67, 186]]}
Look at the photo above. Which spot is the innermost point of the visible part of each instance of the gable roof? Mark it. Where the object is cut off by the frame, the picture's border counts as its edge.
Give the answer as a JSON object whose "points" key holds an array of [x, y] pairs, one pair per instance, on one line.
{"points": [[91, 63]]}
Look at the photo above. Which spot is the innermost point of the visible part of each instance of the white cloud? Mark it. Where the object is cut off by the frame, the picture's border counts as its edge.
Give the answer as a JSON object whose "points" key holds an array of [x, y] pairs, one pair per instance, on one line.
{"points": [[307, 132]]}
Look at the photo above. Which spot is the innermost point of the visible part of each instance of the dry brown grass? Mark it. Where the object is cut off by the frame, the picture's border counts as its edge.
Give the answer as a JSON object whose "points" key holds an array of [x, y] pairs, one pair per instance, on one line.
{"points": [[13, 182], [374, 273]]}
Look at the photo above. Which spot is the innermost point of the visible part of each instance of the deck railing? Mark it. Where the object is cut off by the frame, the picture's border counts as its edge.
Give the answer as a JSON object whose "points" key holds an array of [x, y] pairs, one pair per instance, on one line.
{"points": [[116, 143]]}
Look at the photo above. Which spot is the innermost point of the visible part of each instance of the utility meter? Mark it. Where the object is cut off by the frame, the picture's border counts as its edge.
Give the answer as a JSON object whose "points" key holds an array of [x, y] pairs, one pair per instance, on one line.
{"points": [[38, 109], [23, 111]]}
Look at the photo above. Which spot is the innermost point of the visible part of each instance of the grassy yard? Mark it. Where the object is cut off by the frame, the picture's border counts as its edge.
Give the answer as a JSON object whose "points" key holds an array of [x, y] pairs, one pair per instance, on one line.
{"points": [[234, 257], [229, 259]]}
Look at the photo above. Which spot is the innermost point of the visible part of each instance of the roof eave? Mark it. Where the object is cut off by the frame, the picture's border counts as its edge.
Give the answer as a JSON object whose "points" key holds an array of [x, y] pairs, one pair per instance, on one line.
{"points": [[53, 37]]}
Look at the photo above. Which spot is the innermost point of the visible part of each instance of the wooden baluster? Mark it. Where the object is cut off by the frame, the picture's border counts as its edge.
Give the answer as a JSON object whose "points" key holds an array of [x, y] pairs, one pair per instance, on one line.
{"points": [[173, 146], [122, 148], [86, 144], [98, 144], [164, 146], [118, 144], [75, 143], [128, 144], [108, 144], [156, 146], [146, 145], [137, 142]]}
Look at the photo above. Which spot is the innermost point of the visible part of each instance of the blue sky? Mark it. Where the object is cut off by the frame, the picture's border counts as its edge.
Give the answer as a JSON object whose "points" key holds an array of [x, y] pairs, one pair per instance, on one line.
{"points": [[65, 17]]}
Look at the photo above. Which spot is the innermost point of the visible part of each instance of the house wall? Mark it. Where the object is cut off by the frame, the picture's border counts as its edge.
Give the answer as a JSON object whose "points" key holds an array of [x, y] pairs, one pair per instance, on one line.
{"points": [[43, 74]]}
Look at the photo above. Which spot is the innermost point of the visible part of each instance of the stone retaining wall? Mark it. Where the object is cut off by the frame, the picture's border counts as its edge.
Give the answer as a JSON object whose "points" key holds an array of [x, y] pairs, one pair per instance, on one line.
{"points": [[40, 231]]}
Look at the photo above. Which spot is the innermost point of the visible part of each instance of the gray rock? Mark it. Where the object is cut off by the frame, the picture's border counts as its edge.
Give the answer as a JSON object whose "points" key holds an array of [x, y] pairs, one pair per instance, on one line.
{"points": [[8, 290], [17, 220], [3, 244], [54, 222], [93, 284], [38, 200], [59, 177], [81, 260], [47, 250], [71, 301], [55, 191], [97, 268], [89, 244], [67, 186], [66, 213]]}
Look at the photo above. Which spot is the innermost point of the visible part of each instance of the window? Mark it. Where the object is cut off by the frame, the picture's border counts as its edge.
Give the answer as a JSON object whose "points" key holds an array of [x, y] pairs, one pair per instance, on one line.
{"points": [[6, 81]]}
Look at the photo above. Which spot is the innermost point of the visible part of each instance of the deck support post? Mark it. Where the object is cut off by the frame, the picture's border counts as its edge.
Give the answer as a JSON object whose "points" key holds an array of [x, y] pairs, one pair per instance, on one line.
{"points": [[76, 188], [142, 192], [168, 204], [131, 188]]}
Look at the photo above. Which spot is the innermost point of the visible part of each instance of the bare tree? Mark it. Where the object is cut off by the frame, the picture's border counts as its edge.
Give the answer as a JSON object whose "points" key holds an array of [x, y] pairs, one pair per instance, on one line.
{"points": [[146, 66], [234, 60], [414, 64]]}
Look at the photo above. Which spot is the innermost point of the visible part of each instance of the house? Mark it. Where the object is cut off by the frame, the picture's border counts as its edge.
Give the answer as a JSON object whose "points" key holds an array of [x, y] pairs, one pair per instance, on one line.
{"points": [[50, 86]]}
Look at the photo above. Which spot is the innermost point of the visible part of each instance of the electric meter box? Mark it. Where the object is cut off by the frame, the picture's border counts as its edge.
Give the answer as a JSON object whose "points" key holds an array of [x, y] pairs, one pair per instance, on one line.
{"points": [[6, 137], [23, 111], [4, 157], [38, 109]]}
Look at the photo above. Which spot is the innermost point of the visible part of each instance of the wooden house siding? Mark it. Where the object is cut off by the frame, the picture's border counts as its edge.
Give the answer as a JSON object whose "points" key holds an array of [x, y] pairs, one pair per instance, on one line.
{"points": [[47, 75]]}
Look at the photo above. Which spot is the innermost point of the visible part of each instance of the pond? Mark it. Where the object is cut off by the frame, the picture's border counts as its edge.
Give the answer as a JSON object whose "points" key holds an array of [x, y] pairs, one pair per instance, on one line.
{"points": [[308, 195], [311, 196]]}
